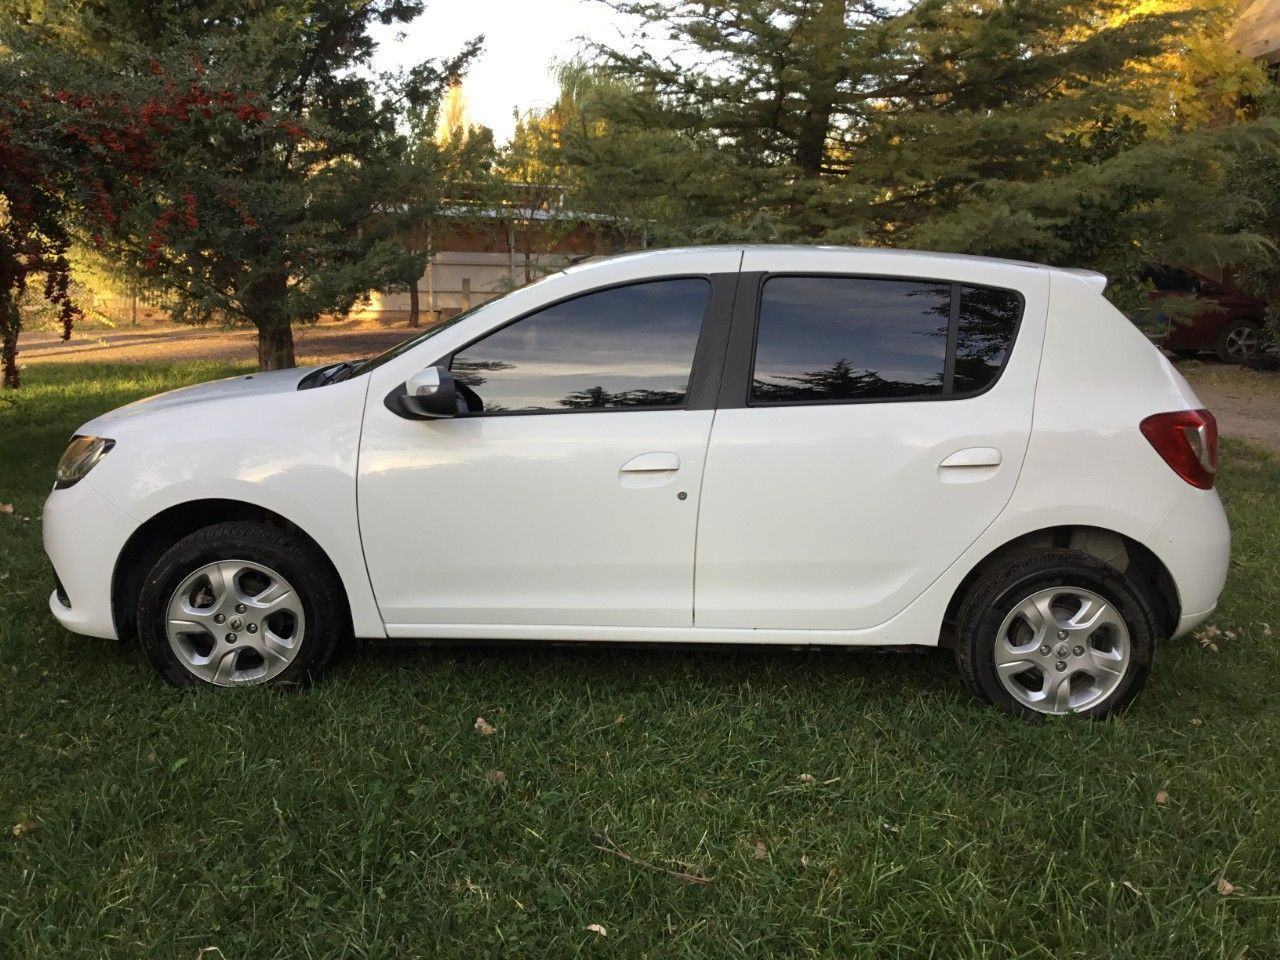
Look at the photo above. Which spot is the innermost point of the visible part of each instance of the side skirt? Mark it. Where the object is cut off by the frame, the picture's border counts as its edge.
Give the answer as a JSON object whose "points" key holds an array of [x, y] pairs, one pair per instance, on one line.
{"points": [[873, 637]]}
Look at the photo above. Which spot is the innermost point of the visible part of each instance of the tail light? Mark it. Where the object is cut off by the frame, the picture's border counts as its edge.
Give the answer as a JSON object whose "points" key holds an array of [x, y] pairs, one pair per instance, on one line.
{"points": [[1188, 441]]}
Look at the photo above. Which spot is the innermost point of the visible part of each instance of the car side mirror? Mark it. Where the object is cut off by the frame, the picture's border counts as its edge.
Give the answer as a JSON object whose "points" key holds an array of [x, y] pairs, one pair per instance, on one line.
{"points": [[430, 394]]}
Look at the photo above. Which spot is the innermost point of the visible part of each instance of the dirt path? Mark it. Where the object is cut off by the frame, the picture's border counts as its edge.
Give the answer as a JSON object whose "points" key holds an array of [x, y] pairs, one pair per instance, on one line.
{"points": [[1246, 403], [322, 343]]}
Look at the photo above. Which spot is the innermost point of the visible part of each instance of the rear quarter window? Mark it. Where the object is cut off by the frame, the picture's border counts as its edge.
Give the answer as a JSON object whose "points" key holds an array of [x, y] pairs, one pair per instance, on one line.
{"points": [[987, 324]]}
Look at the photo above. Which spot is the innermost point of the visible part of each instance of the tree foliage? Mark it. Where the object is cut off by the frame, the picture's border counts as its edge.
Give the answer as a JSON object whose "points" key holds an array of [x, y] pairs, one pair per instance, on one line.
{"points": [[1254, 175], [439, 180], [275, 149], [530, 185], [74, 150], [1057, 130]]}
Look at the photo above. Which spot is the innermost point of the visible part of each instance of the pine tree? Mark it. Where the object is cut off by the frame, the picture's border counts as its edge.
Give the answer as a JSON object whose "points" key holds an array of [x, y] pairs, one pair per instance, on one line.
{"points": [[1054, 130]]}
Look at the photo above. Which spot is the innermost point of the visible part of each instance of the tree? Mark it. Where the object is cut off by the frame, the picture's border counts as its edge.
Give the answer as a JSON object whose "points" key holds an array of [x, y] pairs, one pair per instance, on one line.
{"points": [[72, 150], [443, 169], [1058, 130], [1255, 176], [269, 214], [33, 238], [531, 186]]}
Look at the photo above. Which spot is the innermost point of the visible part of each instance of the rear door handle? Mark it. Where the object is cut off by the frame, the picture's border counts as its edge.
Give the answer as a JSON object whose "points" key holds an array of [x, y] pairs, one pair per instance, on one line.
{"points": [[973, 457], [652, 463]]}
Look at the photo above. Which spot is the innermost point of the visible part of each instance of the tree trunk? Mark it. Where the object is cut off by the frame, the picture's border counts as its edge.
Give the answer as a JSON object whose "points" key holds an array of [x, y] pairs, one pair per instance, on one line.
{"points": [[266, 306], [10, 322], [431, 287], [275, 347], [415, 318]]}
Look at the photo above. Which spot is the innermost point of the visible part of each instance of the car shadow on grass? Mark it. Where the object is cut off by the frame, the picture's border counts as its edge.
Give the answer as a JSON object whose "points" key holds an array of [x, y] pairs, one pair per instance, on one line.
{"points": [[581, 667]]}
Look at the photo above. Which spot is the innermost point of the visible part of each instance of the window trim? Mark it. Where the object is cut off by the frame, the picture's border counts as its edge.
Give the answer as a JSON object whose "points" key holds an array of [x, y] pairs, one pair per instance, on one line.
{"points": [[739, 371], [706, 366]]}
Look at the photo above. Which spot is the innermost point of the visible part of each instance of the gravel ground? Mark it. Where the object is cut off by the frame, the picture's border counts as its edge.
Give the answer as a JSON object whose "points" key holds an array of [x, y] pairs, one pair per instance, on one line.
{"points": [[1246, 403]]}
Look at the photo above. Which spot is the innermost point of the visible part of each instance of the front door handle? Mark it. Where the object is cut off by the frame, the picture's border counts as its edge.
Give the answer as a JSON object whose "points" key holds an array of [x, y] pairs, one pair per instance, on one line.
{"points": [[973, 457], [652, 463]]}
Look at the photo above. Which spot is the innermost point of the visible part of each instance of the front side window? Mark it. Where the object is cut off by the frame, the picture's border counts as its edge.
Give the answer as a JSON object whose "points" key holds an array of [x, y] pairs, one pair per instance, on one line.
{"points": [[834, 339], [625, 347]]}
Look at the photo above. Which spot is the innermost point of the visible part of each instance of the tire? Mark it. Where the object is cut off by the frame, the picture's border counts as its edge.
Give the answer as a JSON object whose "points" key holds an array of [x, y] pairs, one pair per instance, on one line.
{"points": [[1240, 340], [262, 604], [1104, 666]]}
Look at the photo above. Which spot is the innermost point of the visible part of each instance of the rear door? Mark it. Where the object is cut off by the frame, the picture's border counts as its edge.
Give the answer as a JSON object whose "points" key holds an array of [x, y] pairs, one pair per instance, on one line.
{"points": [[869, 429]]}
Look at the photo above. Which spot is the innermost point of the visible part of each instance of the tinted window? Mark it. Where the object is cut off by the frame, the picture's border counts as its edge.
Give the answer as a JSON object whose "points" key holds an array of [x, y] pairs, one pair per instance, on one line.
{"points": [[988, 320], [625, 347], [1171, 280], [850, 338]]}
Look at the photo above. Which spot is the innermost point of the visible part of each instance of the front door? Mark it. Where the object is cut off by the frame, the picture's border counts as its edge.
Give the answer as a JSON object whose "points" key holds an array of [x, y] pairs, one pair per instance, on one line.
{"points": [[878, 428], [569, 495]]}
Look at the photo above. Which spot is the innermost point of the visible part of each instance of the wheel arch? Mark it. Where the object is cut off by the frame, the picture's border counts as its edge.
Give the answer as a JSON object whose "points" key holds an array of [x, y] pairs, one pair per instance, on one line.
{"points": [[1134, 560], [146, 544]]}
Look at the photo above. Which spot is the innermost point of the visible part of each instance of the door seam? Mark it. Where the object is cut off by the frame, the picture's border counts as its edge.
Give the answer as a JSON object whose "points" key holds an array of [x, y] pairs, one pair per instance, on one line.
{"points": [[364, 553]]}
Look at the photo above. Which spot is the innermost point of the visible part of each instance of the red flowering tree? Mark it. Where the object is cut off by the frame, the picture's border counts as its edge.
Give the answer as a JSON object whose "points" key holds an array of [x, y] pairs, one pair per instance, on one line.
{"points": [[252, 189], [84, 160], [33, 235], [60, 151]]}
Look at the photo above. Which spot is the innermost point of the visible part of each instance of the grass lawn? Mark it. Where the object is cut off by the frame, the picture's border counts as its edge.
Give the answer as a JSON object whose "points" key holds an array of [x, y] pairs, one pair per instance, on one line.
{"points": [[837, 803]]}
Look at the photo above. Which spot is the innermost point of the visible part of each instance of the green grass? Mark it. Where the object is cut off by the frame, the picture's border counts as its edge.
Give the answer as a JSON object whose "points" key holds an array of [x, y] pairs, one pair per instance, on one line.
{"points": [[358, 819]]}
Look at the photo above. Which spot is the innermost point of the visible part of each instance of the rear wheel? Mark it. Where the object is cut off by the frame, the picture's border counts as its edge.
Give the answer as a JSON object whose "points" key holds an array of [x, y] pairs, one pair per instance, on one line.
{"points": [[240, 604], [1055, 632], [1240, 340]]}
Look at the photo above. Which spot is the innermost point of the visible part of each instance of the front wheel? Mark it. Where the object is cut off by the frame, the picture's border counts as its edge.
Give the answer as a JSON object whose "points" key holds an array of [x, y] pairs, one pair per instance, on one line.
{"points": [[239, 604], [1055, 632]]}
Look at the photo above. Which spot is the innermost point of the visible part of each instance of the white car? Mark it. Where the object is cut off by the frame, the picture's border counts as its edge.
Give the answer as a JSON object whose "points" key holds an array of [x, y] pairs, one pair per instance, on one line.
{"points": [[789, 445]]}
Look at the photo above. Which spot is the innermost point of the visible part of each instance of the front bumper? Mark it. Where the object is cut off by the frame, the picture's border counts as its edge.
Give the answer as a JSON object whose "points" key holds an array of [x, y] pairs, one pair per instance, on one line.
{"points": [[83, 536]]}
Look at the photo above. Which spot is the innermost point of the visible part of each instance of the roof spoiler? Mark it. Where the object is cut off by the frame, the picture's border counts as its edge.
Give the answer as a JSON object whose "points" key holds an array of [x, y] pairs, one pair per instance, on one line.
{"points": [[1095, 280]]}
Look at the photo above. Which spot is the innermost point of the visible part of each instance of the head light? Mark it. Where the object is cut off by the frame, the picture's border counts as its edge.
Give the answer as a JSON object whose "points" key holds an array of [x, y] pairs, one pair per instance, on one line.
{"points": [[80, 457]]}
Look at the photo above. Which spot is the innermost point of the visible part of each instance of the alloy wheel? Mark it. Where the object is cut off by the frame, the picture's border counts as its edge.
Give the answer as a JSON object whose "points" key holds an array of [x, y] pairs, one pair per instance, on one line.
{"points": [[1062, 650], [234, 623], [1242, 343]]}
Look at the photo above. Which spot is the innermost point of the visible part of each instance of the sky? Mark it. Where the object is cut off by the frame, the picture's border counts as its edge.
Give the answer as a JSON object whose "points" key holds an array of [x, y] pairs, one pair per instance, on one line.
{"points": [[523, 40]]}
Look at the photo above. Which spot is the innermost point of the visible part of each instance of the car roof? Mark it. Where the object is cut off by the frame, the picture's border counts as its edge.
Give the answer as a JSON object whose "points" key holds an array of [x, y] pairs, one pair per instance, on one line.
{"points": [[868, 254]]}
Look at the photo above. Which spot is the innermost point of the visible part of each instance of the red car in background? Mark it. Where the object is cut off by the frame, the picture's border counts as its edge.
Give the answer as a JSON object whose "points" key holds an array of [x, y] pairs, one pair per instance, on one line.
{"points": [[1231, 323]]}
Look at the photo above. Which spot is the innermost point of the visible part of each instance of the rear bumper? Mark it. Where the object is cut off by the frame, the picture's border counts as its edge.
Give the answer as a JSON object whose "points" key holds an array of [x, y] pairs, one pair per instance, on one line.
{"points": [[1189, 621], [1194, 542], [83, 536]]}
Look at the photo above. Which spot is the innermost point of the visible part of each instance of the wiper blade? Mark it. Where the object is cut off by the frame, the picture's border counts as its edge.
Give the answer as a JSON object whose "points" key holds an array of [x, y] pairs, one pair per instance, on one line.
{"points": [[338, 372]]}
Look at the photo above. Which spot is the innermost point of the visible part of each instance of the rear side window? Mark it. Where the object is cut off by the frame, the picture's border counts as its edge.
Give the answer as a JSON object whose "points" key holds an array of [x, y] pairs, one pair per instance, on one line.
{"points": [[833, 339], [622, 348], [848, 338]]}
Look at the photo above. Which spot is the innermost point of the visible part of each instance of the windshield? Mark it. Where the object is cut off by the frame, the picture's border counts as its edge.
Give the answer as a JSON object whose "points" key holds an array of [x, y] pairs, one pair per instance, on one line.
{"points": [[407, 345]]}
